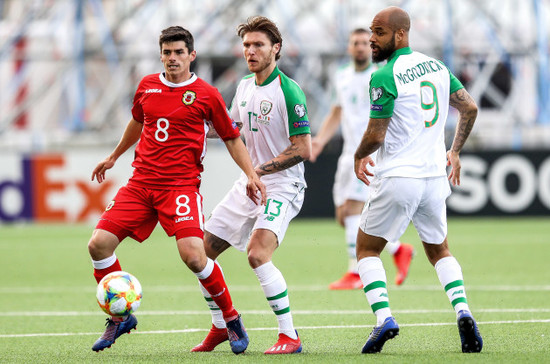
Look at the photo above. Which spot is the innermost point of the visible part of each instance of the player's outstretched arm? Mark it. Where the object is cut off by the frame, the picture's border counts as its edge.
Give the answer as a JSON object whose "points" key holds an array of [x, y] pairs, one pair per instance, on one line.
{"points": [[130, 137], [326, 132], [240, 155], [467, 110], [298, 151]]}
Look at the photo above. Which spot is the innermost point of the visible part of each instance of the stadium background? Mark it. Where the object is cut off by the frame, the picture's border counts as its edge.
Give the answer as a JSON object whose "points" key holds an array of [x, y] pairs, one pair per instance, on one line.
{"points": [[69, 68]]}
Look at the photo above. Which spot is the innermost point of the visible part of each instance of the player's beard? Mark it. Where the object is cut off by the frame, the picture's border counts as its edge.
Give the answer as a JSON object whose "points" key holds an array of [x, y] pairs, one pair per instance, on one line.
{"points": [[386, 52], [260, 65]]}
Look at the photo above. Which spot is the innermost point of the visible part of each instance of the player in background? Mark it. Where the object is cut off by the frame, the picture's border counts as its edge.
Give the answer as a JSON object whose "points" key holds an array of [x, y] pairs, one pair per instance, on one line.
{"points": [[171, 115], [272, 110], [350, 109], [410, 99]]}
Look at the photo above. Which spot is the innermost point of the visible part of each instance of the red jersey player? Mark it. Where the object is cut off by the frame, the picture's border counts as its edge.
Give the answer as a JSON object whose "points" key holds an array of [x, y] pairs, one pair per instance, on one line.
{"points": [[172, 114]]}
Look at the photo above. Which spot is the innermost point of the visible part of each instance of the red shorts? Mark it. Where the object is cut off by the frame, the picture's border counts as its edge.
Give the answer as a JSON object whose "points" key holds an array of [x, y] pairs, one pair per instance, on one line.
{"points": [[135, 211]]}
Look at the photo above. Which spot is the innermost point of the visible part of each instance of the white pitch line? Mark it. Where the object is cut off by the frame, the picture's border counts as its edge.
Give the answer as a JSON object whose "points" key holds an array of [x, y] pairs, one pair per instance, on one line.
{"points": [[255, 288], [263, 312], [331, 327]]}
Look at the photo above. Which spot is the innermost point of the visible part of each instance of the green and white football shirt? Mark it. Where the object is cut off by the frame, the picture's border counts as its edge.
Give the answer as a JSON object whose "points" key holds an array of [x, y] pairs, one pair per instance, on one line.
{"points": [[270, 114], [413, 90], [352, 95]]}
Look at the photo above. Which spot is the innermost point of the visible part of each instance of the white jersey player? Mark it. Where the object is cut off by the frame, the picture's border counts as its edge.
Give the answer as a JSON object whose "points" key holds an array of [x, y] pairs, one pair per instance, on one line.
{"points": [[272, 110], [350, 110], [410, 98]]}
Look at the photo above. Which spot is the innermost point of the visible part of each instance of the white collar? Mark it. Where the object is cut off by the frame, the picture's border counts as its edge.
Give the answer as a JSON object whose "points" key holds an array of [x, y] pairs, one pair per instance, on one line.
{"points": [[184, 83]]}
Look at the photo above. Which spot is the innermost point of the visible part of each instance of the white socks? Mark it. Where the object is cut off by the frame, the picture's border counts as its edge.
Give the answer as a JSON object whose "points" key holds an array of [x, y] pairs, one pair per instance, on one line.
{"points": [[450, 275], [373, 277], [275, 290]]}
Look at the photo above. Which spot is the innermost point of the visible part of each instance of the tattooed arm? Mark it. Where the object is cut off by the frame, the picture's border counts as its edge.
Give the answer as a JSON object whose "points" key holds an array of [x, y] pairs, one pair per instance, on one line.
{"points": [[373, 137], [467, 110], [372, 140], [298, 151]]}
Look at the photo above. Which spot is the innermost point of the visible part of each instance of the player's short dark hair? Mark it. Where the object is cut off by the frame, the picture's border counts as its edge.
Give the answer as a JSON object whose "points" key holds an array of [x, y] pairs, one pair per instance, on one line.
{"points": [[264, 25], [176, 34], [360, 31]]}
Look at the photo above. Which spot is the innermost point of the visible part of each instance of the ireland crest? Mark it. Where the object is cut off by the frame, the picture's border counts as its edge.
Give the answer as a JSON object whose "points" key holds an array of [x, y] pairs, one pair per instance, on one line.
{"points": [[265, 107]]}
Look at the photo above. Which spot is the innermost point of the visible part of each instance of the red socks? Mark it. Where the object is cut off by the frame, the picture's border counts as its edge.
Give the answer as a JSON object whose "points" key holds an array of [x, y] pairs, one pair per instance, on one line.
{"points": [[215, 285], [100, 273]]}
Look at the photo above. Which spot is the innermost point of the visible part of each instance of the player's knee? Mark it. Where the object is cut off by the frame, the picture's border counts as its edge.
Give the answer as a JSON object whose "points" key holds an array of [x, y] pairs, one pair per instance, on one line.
{"points": [[194, 262], [256, 258], [102, 244], [99, 248], [191, 251], [193, 259], [92, 247], [435, 252]]}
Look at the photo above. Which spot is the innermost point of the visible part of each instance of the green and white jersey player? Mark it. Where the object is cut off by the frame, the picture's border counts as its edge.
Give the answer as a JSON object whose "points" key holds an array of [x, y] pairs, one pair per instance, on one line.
{"points": [[410, 98], [272, 110]]}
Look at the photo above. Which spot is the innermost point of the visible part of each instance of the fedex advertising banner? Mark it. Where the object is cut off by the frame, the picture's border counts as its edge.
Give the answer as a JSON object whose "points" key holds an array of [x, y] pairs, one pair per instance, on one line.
{"points": [[57, 187]]}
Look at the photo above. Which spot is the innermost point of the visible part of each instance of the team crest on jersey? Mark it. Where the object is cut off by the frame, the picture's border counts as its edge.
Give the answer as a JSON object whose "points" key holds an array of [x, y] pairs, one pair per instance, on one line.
{"points": [[188, 97], [300, 110], [376, 93], [265, 107]]}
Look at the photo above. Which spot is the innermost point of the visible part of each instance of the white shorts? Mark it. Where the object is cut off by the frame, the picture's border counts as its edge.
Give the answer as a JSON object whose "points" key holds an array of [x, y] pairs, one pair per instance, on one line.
{"points": [[346, 184], [236, 216], [396, 201]]}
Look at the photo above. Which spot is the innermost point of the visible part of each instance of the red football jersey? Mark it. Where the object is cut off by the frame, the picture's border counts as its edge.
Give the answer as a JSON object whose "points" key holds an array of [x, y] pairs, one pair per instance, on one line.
{"points": [[173, 140]]}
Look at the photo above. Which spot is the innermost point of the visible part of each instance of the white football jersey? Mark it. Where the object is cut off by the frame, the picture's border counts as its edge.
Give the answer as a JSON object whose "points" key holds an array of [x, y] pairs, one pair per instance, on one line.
{"points": [[270, 114], [413, 90], [352, 95]]}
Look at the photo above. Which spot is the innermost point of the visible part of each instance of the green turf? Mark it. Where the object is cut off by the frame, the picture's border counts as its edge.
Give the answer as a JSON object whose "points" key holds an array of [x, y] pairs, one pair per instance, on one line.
{"points": [[48, 311]]}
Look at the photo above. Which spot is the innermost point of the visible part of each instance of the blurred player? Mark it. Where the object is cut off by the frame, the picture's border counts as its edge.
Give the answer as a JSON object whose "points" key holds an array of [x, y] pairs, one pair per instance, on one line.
{"points": [[171, 115], [350, 109], [410, 98], [272, 110]]}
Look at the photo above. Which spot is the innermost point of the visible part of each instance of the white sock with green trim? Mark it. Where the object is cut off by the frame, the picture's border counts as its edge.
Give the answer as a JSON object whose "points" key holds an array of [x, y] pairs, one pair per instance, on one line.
{"points": [[275, 290], [351, 226], [450, 275], [215, 312], [373, 277]]}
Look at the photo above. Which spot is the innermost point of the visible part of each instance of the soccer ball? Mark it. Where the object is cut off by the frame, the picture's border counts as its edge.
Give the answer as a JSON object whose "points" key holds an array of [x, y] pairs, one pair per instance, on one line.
{"points": [[119, 294]]}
